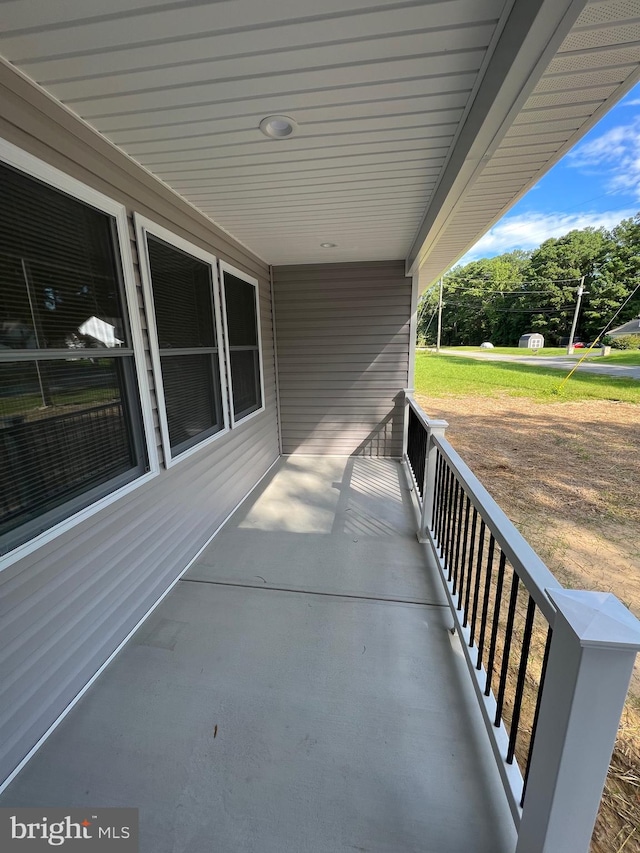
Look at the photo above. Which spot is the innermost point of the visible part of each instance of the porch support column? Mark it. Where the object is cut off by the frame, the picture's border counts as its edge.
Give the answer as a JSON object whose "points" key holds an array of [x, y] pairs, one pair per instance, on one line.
{"points": [[594, 644], [436, 429]]}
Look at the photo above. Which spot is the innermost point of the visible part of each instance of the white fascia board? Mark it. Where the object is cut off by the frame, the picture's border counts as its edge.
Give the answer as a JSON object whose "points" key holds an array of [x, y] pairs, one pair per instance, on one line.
{"points": [[429, 274], [530, 38]]}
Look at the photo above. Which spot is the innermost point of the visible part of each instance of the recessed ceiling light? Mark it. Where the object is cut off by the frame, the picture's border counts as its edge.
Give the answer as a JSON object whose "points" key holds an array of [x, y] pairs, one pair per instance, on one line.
{"points": [[278, 127], [328, 245]]}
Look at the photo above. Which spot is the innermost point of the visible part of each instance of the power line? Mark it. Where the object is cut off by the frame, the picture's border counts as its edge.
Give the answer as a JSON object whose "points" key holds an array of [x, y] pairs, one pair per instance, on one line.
{"points": [[621, 308], [462, 284], [466, 282], [512, 310], [535, 311], [492, 293], [603, 332], [515, 292], [433, 314]]}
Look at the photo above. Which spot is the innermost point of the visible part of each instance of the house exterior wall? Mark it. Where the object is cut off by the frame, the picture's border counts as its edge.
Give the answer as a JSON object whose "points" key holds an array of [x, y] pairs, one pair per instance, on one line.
{"points": [[68, 605], [343, 339]]}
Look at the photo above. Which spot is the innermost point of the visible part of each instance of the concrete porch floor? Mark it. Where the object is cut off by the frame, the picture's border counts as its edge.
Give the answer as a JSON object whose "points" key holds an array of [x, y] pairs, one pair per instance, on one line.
{"points": [[313, 635]]}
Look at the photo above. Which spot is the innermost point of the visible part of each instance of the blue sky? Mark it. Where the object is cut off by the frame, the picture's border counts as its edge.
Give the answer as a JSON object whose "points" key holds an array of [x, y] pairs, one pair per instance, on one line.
{"points": [[596, 184]]}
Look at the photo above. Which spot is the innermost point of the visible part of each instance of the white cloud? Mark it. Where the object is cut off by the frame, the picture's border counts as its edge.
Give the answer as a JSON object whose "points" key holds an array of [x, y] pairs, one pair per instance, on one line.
{"points": [[528, 230], [617, 153]]}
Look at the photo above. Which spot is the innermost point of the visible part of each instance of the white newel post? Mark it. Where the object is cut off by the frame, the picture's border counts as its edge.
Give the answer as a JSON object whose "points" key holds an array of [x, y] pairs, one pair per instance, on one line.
{"points": [[405, 424], [436, 428], [593, 649]]}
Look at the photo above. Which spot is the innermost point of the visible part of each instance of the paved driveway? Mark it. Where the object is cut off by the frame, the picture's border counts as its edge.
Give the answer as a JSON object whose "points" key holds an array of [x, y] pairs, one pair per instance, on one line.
{"points": [[561, 362]]}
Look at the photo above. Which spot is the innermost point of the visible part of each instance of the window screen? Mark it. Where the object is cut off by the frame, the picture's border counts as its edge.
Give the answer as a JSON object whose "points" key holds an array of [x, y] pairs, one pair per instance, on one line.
{"points": [[244, 351], [187, 341], [70, 424]]}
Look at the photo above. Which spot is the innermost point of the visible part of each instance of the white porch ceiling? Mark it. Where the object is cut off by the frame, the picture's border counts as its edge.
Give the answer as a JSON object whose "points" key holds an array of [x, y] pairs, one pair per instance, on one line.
{"points": [[386, 94]]}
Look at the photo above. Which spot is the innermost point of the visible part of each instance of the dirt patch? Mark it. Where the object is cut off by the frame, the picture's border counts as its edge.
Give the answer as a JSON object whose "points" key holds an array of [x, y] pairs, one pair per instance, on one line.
{"points": [[567, 476]]}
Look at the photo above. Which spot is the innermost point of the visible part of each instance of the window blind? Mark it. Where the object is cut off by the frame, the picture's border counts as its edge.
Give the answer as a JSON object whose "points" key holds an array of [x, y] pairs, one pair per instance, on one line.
{"points": [[187, 342], [241, 308], [70, 424]]}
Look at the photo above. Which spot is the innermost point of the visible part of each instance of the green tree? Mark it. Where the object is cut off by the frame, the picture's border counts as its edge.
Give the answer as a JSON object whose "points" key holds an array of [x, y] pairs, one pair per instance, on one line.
{"points": [[617, 275], [555, 271], [501, 298], [474, 299]]}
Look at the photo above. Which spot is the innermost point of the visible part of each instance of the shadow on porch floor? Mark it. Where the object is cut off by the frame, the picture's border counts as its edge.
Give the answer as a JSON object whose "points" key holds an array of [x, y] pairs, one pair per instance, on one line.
{"points": [[296, 691]]}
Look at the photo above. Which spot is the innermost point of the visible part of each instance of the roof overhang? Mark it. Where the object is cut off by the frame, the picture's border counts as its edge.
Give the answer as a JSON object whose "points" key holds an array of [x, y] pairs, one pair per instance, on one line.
{"points": [[419, 123], [570, 89]]}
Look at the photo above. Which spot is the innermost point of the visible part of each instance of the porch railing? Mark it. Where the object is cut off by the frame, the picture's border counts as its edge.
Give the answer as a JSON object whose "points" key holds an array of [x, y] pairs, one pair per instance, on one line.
{"points": [[49, 459], [537, 654]]}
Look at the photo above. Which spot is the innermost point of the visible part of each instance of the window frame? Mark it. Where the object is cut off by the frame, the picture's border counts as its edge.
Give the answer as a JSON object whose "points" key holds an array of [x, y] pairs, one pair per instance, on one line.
{"points": [[226, 267], [145, 226], [34, 167]]}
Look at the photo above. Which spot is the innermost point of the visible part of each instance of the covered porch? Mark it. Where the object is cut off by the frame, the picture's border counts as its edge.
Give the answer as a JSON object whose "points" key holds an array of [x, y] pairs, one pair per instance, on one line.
{"points": [[229, 627], [297, 689]]}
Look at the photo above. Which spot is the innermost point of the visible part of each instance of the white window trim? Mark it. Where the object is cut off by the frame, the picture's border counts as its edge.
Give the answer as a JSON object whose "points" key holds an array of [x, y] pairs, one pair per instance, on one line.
{"points": [[36, 168], [225, 267], [146, 226]]}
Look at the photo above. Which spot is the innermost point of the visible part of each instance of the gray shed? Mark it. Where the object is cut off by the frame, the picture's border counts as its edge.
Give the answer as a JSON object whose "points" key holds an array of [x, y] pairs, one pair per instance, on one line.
{"points": [[533, 340]]}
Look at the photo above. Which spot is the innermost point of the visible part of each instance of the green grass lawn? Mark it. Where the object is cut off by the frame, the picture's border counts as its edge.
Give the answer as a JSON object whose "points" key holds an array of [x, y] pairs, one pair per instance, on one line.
{"points": [[443, 376], [620, 356], [90, 397]]}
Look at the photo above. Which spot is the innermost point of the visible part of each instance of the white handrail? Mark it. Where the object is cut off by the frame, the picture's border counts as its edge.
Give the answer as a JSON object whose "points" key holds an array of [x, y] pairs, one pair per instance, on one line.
{"points": [[526, 563], [592, 650]]}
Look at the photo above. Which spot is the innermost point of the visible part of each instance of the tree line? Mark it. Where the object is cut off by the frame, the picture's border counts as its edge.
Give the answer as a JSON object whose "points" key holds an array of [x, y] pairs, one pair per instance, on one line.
{"points": [[499, 299]]}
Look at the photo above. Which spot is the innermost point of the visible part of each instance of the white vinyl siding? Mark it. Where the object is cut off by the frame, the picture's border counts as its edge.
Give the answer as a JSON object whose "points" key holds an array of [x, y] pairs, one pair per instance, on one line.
{"points": [[69, 601], [343, 356]]}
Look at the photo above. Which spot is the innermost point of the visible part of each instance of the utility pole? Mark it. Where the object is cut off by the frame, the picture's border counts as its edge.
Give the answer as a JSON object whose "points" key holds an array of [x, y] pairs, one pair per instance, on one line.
{"points": [[439, 334], [580, 293]]}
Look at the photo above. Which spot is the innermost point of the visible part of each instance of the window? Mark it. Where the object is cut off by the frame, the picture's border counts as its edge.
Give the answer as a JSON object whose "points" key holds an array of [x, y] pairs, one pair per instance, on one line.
{"points": [[70, 413], [182, 303], [244, 349]]}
